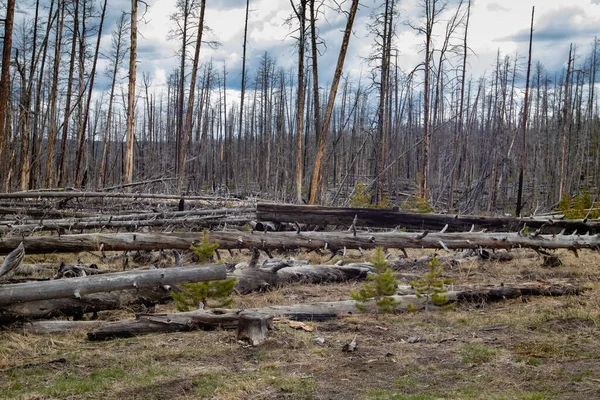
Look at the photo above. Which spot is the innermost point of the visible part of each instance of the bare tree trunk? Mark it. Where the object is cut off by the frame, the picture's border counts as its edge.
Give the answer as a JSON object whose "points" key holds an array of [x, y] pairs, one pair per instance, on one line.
{"points": [[81, 139], [460, 126], [117, 47], [190, 105], [524, 123], [315, 82], [565, 112], [334, 86], [67, 114], [5, 78], [131, 95], [53, 128], [301, 15]]}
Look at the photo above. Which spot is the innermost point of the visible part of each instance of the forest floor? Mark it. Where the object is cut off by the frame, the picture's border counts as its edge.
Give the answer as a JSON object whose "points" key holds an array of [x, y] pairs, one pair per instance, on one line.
{"points": [[525, 348]]}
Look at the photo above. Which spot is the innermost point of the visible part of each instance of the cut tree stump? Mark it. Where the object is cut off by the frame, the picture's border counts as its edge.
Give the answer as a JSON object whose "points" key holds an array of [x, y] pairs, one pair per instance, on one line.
{"points": [[253, 327]]}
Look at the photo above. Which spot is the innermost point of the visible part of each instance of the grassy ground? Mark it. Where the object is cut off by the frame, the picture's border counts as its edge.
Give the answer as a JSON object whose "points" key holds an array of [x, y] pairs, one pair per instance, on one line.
{"points": [[527, 348]]}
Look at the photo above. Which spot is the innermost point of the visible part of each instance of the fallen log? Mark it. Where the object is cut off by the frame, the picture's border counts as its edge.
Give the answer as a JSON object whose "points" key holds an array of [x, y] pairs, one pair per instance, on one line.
{"points": [[392, 218], [89, 195], [212, 319], [78, 287], [77, 308], [290, 240], [264, 278], [196, 217]]}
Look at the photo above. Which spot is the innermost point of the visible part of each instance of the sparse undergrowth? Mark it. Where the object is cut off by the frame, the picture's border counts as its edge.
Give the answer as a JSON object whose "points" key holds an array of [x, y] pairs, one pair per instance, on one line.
{"points": [[530, 348]]}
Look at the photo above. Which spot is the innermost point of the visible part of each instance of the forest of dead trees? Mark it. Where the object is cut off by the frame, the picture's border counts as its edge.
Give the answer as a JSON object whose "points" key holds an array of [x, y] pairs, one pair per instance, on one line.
{"points": [[432, 130]]}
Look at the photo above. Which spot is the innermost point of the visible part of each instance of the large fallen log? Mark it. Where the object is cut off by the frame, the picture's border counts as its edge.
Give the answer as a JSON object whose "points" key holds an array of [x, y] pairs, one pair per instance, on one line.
{"points": [[292, 240], [76, 308], [263, 278], [78, 287], [392, 218], [210, 319]]}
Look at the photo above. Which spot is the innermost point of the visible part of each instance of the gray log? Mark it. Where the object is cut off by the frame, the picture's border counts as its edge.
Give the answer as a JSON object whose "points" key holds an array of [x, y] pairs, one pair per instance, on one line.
{"points": [[292, 240], [77, 287]]}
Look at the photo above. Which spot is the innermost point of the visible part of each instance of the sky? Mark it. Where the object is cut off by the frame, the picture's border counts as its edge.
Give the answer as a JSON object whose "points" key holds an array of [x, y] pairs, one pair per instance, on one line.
{"points": [[495, 25]]}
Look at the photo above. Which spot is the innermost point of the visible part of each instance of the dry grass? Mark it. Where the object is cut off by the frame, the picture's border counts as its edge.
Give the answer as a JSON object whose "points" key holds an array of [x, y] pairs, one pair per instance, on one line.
{"points": [[529, 348]]}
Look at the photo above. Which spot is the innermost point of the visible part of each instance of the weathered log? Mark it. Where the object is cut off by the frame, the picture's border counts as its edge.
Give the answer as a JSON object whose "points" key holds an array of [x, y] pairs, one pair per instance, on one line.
{"points": [[56, 327], [253, 327], [76, 308], [392, 218], [292, 240], [77, 287], [196, 217], [12, 262], [202, 319], [89, 195], [177, 322], [263, 278]]}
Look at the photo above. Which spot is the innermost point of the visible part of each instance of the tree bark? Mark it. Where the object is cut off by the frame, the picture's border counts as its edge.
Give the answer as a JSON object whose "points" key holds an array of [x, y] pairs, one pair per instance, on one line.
{"points": [[78, 287]]}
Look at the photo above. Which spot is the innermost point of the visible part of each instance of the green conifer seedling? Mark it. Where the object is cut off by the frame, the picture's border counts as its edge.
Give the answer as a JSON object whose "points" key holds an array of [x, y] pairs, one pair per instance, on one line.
{"points": [[196, 295], [432, 286], [381, 285]]}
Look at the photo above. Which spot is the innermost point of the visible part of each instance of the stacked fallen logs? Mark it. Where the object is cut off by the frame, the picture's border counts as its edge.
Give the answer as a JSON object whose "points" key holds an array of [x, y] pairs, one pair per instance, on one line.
{"points": [[228, 319]]}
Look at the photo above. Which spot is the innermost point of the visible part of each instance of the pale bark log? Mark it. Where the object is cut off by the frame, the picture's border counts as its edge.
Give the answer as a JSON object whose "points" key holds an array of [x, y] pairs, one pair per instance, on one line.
{"points": [[265, 278], [78, 287], [290, 240], [76, 308]]}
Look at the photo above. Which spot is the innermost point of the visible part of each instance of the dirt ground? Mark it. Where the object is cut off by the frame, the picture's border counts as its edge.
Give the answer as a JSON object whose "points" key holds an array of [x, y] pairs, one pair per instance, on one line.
{"points": [[525, 348]]}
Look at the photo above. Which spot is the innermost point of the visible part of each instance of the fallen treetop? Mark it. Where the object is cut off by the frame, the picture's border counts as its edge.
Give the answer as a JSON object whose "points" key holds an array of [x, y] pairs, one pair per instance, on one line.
{"points": [[291, 240], [392, 218], [77, 287]]}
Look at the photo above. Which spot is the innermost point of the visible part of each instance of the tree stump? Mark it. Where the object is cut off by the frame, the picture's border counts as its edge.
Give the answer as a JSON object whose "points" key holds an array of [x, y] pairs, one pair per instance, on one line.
{"points": [[253, 327]]}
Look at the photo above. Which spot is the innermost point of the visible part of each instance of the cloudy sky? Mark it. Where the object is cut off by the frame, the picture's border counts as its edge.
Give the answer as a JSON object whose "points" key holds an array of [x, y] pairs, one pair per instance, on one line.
{"points": [[494, 25]]}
